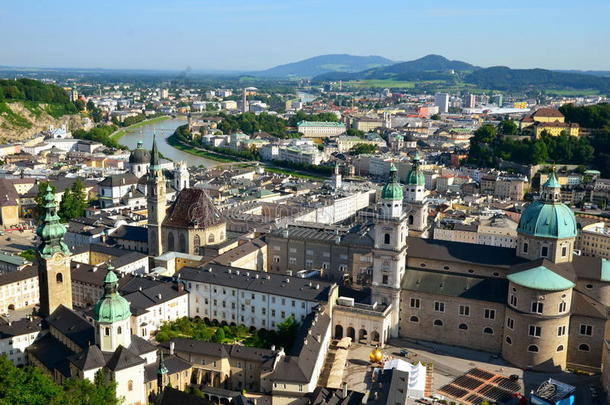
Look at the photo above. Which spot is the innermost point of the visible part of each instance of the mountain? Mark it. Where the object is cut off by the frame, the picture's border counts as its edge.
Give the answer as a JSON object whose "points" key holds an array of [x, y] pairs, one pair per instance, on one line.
{"points": [[430, 67], [603, 73], [504, 78], [323, 64]]}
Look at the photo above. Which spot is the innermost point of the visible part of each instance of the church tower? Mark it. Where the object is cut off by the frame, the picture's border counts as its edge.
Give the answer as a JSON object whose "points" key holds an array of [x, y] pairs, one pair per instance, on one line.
{"points": [[416, 199], [336, 179], [156, 203], [112, 316], [390, 250], [55, 281], [162, 377], [181, 176]]}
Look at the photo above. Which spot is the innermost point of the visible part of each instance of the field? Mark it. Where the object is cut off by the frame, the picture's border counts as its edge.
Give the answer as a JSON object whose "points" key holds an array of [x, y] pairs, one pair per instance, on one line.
{"points": [[568, 93], [381, 84]]}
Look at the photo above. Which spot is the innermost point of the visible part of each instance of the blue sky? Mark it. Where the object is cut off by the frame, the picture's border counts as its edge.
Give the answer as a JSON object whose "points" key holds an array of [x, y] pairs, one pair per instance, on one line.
{"points": [[256, 34]]}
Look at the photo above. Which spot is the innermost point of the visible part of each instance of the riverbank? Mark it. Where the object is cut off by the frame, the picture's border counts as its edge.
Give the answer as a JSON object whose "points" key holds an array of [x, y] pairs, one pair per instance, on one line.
{"points": [[218, 157], [123, 131]]}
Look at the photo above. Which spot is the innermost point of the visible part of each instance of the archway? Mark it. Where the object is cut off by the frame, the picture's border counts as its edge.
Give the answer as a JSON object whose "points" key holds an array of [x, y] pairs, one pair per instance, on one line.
{"points": [[351, 332], [362, 335], [170, 241], [338, 331], [375, 336], [411, 219], [11, 307]]}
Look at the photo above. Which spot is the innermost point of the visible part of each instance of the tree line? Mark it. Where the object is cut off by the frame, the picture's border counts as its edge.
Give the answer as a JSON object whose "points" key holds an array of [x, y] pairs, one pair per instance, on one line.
{"points": [[37, 91], [73, 202]]}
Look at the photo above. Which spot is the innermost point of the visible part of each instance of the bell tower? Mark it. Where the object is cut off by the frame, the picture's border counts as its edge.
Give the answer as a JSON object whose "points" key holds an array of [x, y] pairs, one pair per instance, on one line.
{"points": [[390, 250], [417, 216], [53, 255], [181, 176], [112, 315], [156, 203]]}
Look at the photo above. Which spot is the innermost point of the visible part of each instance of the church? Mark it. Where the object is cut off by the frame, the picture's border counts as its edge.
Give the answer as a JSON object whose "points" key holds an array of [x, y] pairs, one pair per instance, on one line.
{"points": [[73, 347]]}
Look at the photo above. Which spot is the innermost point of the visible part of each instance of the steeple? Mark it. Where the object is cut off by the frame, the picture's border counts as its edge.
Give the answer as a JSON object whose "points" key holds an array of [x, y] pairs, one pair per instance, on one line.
{"points": [[154, 160], [551, 189], [54, 278], [51, 231], [391, 196], [415, 181], [111, 314], [156, 199]]}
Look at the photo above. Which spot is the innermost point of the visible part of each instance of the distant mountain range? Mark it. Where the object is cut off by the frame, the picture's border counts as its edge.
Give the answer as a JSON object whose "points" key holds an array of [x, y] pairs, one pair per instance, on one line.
{"points": [[318, 65]]}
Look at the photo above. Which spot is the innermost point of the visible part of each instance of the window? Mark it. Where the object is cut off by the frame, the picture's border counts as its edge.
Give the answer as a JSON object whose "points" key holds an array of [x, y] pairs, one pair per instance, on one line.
{"points": [[414, 319], [532, 348], [196, 241], [464, 310], [562, 306], [276, 259], [439, 306], [509, 340], [129, 385], [59, 278], [211, 238], [525, 247], [490, 314], [535, 331], [119, 330], [386, 238], [384, 279], [537, 307], [488, 331], [561, 330], [438, 322], [560, 348], [584, 348], [564, 251], [292, 260], [510, 323], [586, 330], [463, 326], [107, 331], [414, 303], [513, 300], [544, 252]]}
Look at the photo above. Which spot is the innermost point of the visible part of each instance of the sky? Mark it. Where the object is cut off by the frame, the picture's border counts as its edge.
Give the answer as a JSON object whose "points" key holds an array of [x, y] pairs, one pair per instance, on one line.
{"points": [[258, 34]]}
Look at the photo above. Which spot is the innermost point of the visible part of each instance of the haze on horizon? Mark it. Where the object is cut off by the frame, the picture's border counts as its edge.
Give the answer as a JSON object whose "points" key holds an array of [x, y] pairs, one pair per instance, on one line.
{"points": [[259, 34]]}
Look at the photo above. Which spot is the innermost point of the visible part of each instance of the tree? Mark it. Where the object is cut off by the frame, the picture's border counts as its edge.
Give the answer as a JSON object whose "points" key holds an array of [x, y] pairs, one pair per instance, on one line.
{"points": [[219, 336], [435, 117], [73, 202], [39, 199], [362, 148], [355, 132], [508, 127], [80, 105], [90, 106]]}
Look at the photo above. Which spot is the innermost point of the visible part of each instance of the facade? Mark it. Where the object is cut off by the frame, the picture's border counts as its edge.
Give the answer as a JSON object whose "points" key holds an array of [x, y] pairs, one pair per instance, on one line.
{"points": [[19, 290], [594, 240], [16, 336], [441, 100], [319, 129]]}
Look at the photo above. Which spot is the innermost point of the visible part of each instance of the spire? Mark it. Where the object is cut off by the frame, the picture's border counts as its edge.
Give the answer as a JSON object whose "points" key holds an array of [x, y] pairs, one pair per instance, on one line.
{"points": [[415, 176], [51, 231], [162, 370], [154, 160], [111, 307], [551, 189]]}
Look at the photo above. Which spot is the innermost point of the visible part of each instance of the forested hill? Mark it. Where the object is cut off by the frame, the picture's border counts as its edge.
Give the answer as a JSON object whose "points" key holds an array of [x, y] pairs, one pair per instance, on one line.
{"points": [[32, 90], [324, 63], [504, 78]]}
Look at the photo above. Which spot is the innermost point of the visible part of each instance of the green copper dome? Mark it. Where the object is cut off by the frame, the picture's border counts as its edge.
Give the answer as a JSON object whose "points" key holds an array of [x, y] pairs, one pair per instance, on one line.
{"points": [[51, 231], [392, 190], [540, 278], [111, 307], [549, 218], [415, 176]]}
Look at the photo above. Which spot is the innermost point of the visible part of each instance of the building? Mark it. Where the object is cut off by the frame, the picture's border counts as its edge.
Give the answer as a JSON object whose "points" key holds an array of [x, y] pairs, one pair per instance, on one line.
{"points": [[441, 100], [594, 240], [16, 336], [320, 129], [19, 290], [469, 101]]}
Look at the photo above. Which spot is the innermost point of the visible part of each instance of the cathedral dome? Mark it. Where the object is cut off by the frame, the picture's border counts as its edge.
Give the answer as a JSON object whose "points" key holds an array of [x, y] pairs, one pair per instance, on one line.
{"points": [[549, 218], [415, 176], [392, 190], [139, 155], [111, 307]]}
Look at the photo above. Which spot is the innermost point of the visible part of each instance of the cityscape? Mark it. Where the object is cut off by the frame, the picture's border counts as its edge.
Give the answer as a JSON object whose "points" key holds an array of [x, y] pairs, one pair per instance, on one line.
{"points": [[226, 203]]}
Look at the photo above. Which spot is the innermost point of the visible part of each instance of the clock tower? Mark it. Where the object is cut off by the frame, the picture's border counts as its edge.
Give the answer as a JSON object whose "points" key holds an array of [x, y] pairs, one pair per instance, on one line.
{"points": [[53, 255], [156, 203]]}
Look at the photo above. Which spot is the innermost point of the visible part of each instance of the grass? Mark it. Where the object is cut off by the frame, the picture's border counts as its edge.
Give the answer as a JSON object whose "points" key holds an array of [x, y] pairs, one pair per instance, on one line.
{"points": [[566, 92], [198, 152], [123, 131], [293, 173], [381, 84], [13, 118], [34, 108], [57, 110]]}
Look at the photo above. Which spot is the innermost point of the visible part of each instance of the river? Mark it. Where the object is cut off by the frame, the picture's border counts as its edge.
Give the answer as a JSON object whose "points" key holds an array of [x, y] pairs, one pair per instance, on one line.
{"points": [[163, 130]]}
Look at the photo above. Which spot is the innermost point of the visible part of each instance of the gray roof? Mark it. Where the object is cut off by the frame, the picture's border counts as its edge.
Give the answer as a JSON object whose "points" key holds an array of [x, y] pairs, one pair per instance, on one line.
{"points": [[72, 325], [482, 255], [330, 396], [117, 180], [257, 281], [52, 353], [19, 327], [456, 285], [390, 388], [19, 275], [172, 396], [123, 358], [220, 350], [130, 232], [89, 359], [174, 365]]}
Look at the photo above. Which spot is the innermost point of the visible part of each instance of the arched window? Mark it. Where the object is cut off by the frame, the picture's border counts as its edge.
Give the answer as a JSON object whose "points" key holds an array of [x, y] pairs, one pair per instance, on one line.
{"points": [[488, 331], [107, 331], [211, 238], [411, 220], [560, 348], [584, 348], [130, 385], [182, 240], [438, 322], [414, 319], [170, 242], [386, 238], [463, 326], [532, 348], [59, 278], [196, 241], [119, 330], [509, 340]]}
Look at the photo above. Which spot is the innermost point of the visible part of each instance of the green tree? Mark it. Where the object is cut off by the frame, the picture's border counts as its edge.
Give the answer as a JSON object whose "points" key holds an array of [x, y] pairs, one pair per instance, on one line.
{"points": [[90, 106], [362, 148], [508, 127], [355, 132], [435, 117], [80, 105], [219, 336], [73, 202]]}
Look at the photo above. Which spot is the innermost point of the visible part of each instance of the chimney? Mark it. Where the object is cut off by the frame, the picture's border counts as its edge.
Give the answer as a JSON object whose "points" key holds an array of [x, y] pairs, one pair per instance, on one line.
{"points": [[171, 348], [344, 390]]}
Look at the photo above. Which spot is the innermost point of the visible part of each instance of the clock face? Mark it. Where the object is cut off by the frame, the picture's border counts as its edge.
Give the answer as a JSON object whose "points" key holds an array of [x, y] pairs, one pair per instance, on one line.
{"points": [[60, 258]]}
